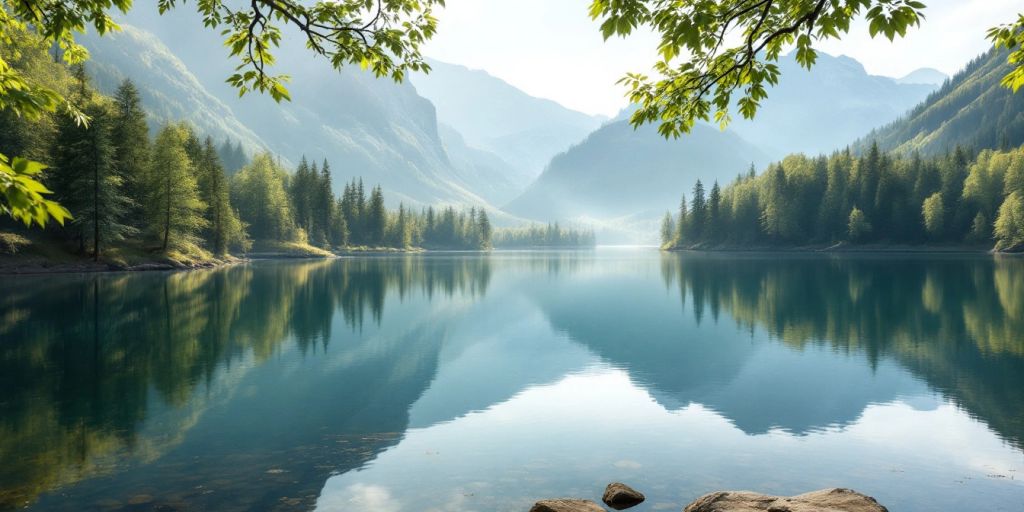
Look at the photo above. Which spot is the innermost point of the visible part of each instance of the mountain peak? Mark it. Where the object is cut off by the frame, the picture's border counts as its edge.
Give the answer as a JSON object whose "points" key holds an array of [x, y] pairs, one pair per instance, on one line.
{"points": [[929, 76]]}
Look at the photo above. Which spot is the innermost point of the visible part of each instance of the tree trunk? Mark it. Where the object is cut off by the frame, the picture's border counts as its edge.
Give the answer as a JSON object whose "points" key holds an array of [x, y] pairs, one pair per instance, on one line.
{"points": [[167, 214], [95, 202]]}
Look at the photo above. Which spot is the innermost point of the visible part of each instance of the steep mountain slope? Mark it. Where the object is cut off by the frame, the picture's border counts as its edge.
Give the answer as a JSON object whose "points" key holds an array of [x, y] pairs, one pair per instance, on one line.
{"points": [[169, 90], [618, 171], [483, 172], [929, 76], [376, 129], [823, 109], [492, 115], [972, 109]]}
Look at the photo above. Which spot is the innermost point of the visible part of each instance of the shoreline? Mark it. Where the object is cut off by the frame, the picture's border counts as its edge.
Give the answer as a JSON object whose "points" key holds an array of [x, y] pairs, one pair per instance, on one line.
{"points": [[843, 248]]}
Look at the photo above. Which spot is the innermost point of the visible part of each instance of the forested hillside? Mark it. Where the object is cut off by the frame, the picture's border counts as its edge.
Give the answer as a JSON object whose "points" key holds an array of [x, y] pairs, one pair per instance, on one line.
{"points": [[382, 131], [957, 198], [971, 110], [137, 198]]}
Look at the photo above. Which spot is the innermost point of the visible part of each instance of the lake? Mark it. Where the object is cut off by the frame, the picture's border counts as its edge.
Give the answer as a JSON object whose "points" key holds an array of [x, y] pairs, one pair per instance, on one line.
{"points": [[485, 382]]}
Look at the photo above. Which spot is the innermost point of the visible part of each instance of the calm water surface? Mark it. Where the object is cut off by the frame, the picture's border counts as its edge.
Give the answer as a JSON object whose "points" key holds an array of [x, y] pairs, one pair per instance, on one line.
{"points": [[469, 382]]}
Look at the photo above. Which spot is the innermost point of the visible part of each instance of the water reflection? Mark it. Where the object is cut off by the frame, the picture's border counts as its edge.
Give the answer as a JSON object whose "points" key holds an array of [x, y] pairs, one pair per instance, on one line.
{"points": [[490, 380]]}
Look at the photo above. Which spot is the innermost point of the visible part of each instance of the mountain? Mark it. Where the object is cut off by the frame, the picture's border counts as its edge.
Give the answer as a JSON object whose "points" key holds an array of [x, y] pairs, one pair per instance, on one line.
{"points": [[170, 92], [823, 109], [372, 128], [972, 109], [492, 115], [928, 76], [483, 172], [619, 171]]}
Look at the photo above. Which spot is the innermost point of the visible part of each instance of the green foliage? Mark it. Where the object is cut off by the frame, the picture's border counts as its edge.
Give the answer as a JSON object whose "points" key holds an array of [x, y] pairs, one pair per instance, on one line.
{"points": [[174, 209], [818, 201], [668, 230], [384, 37], [259, 193], [25, 196], [87, 181], [1010, 224], [858, 225], [712, 49], [549, 236], [934, 213]]}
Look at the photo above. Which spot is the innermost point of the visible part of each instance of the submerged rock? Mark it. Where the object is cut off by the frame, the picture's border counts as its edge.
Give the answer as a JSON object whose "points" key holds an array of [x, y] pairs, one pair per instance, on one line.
{"points": [[828, 500], [566, 505], [621, 496]]}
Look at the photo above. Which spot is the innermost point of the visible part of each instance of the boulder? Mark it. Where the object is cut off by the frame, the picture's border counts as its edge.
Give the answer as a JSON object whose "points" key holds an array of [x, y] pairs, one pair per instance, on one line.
{"points": [[621, 496], [566, 505], [828, 500]]}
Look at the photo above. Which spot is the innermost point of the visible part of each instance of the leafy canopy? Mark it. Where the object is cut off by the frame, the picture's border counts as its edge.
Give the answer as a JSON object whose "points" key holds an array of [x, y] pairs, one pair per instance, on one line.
{"points": [[711, 50]]}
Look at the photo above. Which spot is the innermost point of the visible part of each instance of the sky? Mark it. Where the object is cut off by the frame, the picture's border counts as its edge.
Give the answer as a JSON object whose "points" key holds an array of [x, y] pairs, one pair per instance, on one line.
{"points": [[551, 48]]}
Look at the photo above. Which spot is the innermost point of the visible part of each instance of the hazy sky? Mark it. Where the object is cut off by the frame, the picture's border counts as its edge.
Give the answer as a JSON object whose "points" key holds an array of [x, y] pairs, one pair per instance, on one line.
{"points": [[551, 48]]}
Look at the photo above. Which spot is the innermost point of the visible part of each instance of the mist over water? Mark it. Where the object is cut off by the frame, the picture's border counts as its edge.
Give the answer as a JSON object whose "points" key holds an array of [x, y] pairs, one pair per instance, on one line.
{"points": [[485, 382]]}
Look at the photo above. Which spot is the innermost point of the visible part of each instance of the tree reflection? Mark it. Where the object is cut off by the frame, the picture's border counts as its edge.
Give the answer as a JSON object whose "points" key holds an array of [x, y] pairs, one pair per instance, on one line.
{"points": [[82, 358], [956, 322]]}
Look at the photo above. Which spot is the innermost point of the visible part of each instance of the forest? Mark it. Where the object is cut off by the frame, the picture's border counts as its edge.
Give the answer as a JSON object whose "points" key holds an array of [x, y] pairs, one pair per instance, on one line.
{"points": [[189, 198], [549, 236], [960, 198]]}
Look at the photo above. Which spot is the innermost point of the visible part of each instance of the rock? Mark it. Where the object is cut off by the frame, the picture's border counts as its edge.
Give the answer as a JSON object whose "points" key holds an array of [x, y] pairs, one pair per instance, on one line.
{"points": [[566, 505], [828, 500], [621, 496]]}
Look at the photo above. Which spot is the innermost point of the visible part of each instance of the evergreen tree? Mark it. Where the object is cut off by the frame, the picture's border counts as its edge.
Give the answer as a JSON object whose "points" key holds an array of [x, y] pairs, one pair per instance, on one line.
{"points": [[485, 230], [376, 223], [715, 221], [130, 136], [91, 187], [668, 230], [698, 212], [683, 223]]}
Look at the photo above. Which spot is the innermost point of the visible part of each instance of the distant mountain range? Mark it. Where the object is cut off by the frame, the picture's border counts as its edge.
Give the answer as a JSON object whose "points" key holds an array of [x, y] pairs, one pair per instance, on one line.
{"points": [[972, 109], [492, 115], [619, 171], [825, 108]]}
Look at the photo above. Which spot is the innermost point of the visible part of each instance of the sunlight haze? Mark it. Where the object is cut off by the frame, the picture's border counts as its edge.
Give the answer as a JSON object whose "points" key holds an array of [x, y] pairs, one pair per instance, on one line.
{"points": [[552, 49]]}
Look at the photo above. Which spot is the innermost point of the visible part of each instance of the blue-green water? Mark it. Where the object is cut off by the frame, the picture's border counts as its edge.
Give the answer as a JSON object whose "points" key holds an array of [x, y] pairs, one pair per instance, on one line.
{"points": [[485, 382]]}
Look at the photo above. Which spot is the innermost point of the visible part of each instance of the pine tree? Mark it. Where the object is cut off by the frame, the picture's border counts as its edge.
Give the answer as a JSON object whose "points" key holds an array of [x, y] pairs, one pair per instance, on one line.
{"points": [[224, 229], [698, 213], [174, 209], [130, 136], [683, 223], [376, 224], [668, 230], [90, 185], [485, 230], [715, 224]]}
